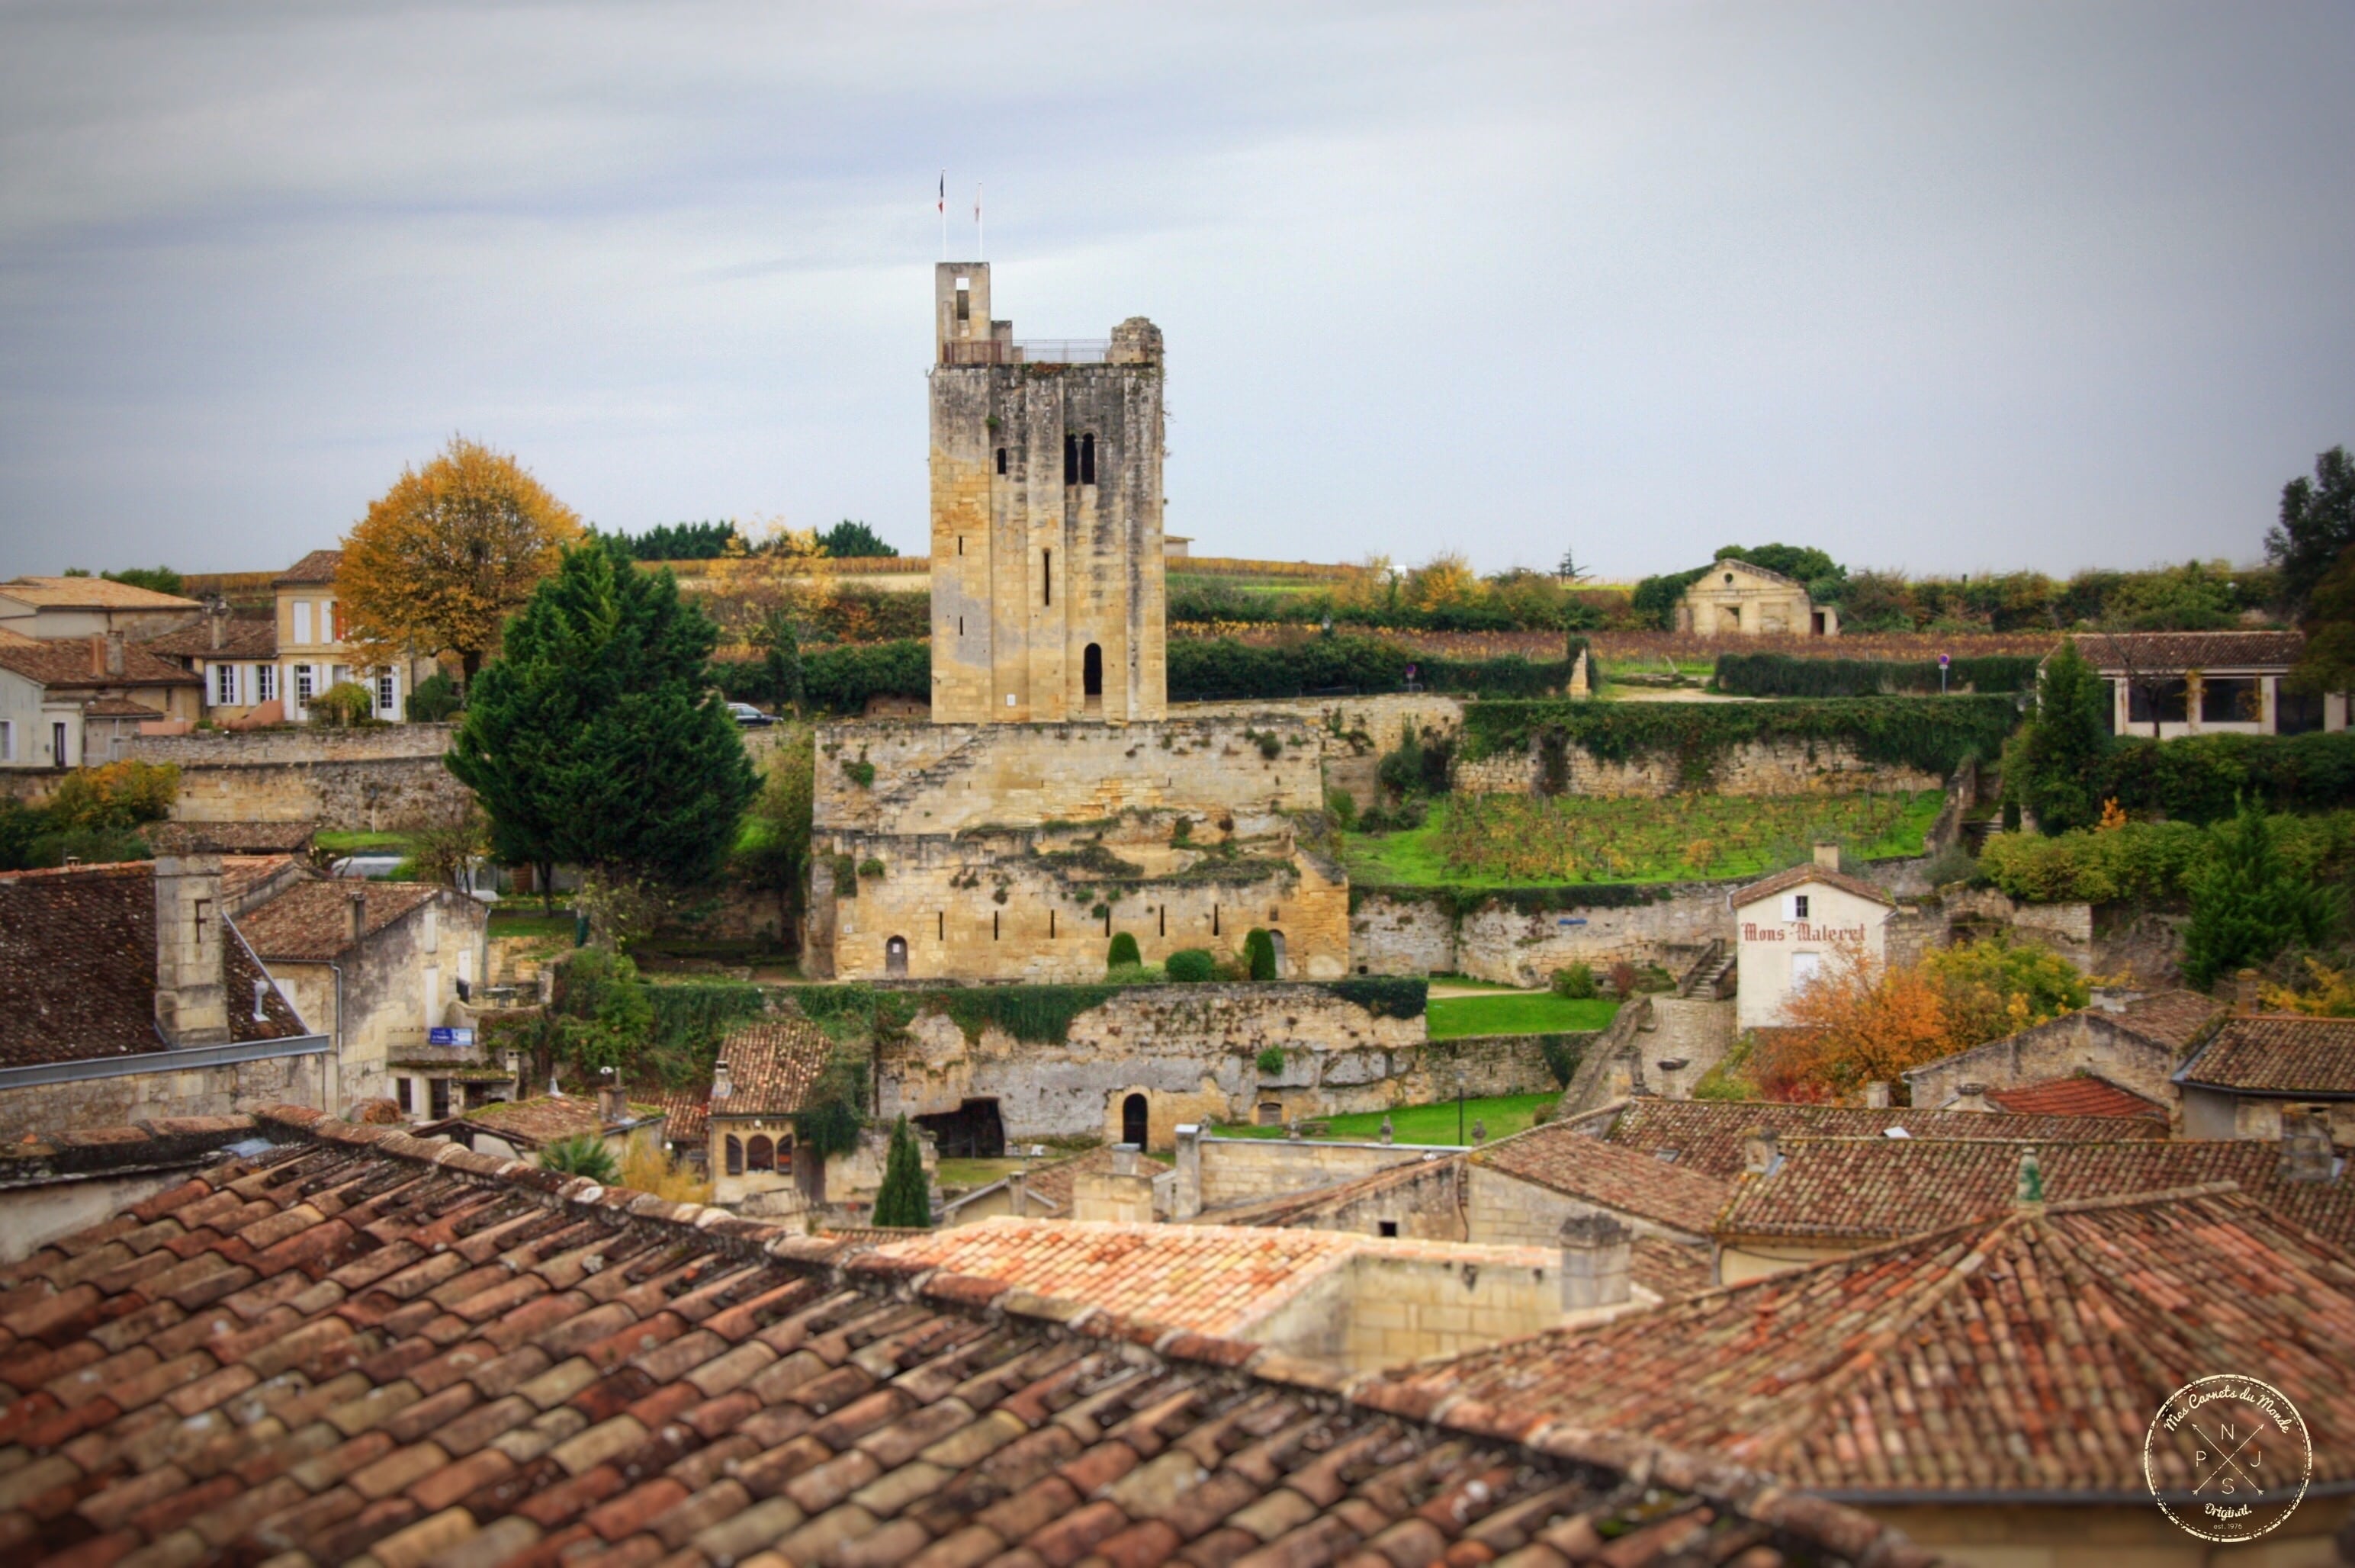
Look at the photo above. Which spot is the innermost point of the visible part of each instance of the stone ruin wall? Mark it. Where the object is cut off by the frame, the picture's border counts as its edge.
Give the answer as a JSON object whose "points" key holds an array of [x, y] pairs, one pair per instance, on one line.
{"points": [[1192, 1050], [361, 780], [1753, 767], [1354, 733]]}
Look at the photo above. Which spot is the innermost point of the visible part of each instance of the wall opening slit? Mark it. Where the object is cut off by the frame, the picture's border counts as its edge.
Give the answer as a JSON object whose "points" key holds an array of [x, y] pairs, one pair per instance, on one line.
{"points": [[1047, 576]]}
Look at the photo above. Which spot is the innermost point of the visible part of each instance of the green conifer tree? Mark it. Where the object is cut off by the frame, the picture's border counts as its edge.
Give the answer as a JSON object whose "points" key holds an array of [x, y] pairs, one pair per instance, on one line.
{"points": [[2058, 753], [2246, 906], [904, 1201]]}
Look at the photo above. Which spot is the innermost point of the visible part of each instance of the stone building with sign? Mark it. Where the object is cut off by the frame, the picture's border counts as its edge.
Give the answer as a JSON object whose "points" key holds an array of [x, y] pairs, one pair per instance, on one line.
{"points": [[1787, 928]]}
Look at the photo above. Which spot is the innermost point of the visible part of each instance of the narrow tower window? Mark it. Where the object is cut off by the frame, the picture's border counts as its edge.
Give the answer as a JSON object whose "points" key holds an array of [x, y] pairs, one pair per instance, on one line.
{"points": [[1001, 460], [1047, 576], [1051, 924], [1070, 458], [1087, 460]]}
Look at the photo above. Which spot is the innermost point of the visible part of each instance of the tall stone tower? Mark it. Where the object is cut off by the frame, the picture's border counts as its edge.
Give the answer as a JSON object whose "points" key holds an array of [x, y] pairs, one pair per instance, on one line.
{"points": [[1047, 568]]}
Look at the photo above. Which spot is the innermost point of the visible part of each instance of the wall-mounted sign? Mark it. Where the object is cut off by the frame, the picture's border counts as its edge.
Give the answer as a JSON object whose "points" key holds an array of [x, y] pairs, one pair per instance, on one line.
{"points": [[449, 1037]]}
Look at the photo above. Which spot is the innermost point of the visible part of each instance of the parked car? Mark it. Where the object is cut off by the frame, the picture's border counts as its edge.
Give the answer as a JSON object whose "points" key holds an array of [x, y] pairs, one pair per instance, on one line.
{"points": [[748, 715]]}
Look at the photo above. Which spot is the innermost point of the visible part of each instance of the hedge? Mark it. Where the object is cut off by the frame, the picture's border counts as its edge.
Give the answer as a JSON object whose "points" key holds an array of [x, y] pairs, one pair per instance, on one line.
{"points": [[1223, 670], [841, 679], [1934, 734], [1780, 675], [2150, 862], [2200, 777]]}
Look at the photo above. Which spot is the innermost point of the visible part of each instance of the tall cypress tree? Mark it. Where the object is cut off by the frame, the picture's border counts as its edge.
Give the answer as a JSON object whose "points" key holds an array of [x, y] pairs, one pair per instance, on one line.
{"points": [[2246, 906], [904, 1201], [596, 739], [2059, 752]]}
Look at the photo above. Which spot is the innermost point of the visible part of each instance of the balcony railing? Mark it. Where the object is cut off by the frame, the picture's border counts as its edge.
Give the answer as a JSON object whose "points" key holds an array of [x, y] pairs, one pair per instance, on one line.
{"points": [[1028, 351]]}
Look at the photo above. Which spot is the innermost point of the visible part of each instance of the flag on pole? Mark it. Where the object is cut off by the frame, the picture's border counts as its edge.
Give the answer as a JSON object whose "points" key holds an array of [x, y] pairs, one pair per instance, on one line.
{"points": [[945, 193]]}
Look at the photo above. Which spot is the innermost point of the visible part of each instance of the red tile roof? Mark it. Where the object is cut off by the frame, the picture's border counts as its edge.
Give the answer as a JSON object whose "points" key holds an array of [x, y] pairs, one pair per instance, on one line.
{"points": [[550, 1119], [2175, 652], [686, 1111], [1632, 1181], [2172, 1019], [312, 921], [91, 593], [242, 637], [366, 1344], [2083, 1095], [1707, 1135], [119, 708], [1799, 876], [772, 1067], [78, 968], [2024, 1353], [64, 664], [1874, 1189], [319, 566], [2277, 1053]]}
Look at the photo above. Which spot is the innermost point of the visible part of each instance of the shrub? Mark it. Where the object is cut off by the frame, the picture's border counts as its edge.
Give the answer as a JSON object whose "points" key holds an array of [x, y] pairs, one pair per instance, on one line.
{"points": [[1622, 981], [2153, 862], [1343, 807], [1562, 1053], [2201, 778], [2054, 762], [860, 773], [1191, 965], [343, 706], [2247, 904], [1576, 983], [1259, 954], [1950, 864], [904, 1201], [1122, 954], [871, 866], [1271, 1061], [1932, 734], [433, 699], [1783, 675], [585, 1155]]}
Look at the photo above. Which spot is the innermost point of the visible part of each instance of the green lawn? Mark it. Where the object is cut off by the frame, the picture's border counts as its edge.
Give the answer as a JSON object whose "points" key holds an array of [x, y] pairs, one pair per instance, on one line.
{"points": [[381, 843], [1522, 1012], [531, 922], [1491, 841], [1423, 1124]]}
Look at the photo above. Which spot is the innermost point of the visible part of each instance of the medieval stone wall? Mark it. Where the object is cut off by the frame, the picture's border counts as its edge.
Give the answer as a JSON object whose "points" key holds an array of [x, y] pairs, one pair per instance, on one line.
{"points": [[1355, 732], [41, 1109], [362, 780]]}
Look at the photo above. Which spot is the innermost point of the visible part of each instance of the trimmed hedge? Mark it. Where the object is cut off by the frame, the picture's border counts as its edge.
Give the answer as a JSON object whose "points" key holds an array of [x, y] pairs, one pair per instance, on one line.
{"points": [[2200, 777], [1780, 675], [1384, 995], [840, 679], [1934, 734], [1222, 670]]}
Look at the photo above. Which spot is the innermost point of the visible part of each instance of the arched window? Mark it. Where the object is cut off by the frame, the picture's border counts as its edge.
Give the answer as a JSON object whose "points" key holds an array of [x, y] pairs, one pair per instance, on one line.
{"points": [[761, 1154], [895, 956], [1092, 673], [735, 1157], [1135, 1118]]}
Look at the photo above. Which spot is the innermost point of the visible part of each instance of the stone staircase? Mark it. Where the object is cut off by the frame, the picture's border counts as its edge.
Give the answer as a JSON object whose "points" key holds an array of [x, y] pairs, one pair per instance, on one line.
{"points": [[1707, 978]]}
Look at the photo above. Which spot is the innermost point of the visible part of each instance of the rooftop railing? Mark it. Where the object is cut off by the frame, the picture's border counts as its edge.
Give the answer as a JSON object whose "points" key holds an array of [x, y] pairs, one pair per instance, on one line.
{"points": [[1028, 351]]}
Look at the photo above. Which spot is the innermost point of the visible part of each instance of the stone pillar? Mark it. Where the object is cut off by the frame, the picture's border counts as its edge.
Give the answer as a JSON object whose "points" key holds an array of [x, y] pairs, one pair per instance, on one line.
{"points": [[1594, 1249], [1187, 1201], [191, 1006]]}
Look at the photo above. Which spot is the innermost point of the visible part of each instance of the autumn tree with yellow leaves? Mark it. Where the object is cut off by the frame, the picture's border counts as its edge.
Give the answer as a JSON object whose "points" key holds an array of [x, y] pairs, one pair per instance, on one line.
{"points": [[446, 555]]}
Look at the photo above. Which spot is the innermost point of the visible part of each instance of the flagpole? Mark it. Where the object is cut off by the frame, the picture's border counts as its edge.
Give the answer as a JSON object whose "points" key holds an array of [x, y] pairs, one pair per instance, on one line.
{"points": [[978, 251], [944, 214]]}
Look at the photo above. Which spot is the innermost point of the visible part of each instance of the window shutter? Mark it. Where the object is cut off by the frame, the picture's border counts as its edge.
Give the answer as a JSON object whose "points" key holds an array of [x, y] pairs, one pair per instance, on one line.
{"points": [[1790, 906]]}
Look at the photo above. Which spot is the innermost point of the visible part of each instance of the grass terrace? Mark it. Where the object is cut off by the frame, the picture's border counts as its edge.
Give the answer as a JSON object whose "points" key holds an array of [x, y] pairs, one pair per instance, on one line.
{"points": [[1517, 1012], [1503, 1114], [1496, 841]]}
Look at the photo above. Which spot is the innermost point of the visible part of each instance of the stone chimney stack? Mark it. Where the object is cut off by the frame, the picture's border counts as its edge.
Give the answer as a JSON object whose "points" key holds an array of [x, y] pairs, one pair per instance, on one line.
{"points": [[1760, 1152], [1828, 854], [191, 1003], [97, 654], [720, 1087], [1594, 1249], [1123, 1159], [2305, 1154], [1876, 1095], [354, 915], [610, 1106], [1186, 1198], [217, 618], [1017, 1193], [1971, 1097], [2245, 991], [114, 653]]}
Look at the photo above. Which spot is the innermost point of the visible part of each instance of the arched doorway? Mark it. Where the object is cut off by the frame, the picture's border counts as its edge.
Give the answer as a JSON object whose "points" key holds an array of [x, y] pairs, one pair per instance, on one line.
{"points": [[1135, 1120], [895, 957], [1092, 677], [1275, 939]]}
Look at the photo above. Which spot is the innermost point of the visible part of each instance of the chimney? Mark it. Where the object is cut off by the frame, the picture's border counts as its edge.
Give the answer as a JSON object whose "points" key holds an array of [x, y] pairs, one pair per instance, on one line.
{"points": [[354, 915], [1828, 854], [720, 1087], [191, 1003], [1017, 1193], [610, 1106], [2306, 1155], [1186, 1197], [1876, 1095], [1123, 1159], [97, 654], [115, 652], [219, 618], [1970, 1097], [2245, 991], [1593, 1263], [1760, 1152]]}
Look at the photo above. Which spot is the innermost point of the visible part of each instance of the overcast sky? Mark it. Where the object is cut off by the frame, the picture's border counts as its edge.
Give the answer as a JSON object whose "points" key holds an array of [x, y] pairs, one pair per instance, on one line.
{"points": [[1948, 287]]}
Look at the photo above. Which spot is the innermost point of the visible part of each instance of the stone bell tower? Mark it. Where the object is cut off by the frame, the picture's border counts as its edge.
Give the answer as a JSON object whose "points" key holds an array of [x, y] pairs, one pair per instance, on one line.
{"points": [[1048, 601]]}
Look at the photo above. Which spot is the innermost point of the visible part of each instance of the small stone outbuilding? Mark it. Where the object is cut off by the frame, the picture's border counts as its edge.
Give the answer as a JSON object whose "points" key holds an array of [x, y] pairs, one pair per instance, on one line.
{"points": [[1735, 598]]}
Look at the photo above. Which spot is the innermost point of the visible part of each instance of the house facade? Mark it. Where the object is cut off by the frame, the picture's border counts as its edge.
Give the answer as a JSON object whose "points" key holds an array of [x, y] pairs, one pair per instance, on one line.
{"points": [[2167, 685], [235, 661], [1790, 927], [2257, 1070], [71, 702], [764, 1076], [1735, 598], [312, 655], [48, 608]]}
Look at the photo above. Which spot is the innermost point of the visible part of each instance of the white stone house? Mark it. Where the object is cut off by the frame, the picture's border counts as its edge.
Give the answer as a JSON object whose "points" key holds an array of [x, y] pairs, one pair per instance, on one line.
{"points": [[2166, 685], [1789, 928], [1735, 598]]}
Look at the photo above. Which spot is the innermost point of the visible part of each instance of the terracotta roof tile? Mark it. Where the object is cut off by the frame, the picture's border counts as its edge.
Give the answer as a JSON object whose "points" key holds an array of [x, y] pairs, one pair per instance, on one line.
{"points": [[771, 1066], [548, 1119], [318, 567], [891, 1413], [2175, 652], [1632, 1181], [2172, 1019], [91, 593], [1800, 876], [119, 708], [312, 920], [1707, 1135], [686, 1111], [2083, 1095], [78, 968], [242, 637], [1874, 1189], [2278, 1053], [64, 664], [2025, 1352]]}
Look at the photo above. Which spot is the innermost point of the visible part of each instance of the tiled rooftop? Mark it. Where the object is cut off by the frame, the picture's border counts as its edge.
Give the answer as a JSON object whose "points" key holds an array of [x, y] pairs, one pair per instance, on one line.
{"points": [[318, 567], [686, 1111], [91, 593], [2173, 1018], [78, 968], [1870, 1190], [1213, 1279], [312, 920], [2081, 1095], [1706, 1135], [771, 1066], [2024, 1352], [241, 637], [1800, 876], [1630, 1180], [370, 1345], [548, 1119], [2278, 1054], [2175, 652], [64, 664]]}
